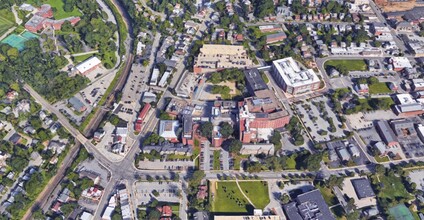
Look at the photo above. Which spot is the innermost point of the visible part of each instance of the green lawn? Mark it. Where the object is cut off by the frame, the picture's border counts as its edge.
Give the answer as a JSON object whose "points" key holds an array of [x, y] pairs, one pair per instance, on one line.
{"points": [[5, 21], [328, 195], [379, 88], [216, 163], [58, 4], [291, 163], [392, 188], [79, 59], [228, 199], [382, 159], [257, 191], [351, 65]]}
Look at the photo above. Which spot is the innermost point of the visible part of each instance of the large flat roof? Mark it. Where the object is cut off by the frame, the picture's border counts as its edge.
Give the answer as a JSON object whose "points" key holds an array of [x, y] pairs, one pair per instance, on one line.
{"points": [[293, 74], [88, 64]]}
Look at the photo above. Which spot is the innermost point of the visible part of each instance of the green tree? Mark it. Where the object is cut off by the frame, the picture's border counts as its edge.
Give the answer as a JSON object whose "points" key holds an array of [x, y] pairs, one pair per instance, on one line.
{"points": [[276, 140], [206, 129], [114, 119], [226, 129], [235, 146]]}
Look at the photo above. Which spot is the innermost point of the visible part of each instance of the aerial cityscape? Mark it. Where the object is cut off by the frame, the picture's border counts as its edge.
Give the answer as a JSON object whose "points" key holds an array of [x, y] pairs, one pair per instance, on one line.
{"points": [[203, 110]]}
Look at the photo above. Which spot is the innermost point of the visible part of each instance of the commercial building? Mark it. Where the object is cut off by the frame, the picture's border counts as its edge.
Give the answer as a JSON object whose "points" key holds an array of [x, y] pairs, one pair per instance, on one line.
{"points": [[77, 105], [169, 148], [187, 135], [387, 134], [88, 65], [260, 115], [254, 149], [254, 81], [269, 28], [363, 188], [407, 106], [400, 63], [309, 205], [274, 38], [168, 130], [293, 78], [417, 85], [215, 57], [154, 77], [141, 116]]}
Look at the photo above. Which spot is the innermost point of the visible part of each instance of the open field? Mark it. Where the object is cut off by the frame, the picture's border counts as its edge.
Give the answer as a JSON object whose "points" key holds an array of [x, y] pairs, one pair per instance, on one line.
{"points": [[257, 192], [379, 88], [351, 65], [229, 199], [5, 23], [397, 6], [58, 4]]}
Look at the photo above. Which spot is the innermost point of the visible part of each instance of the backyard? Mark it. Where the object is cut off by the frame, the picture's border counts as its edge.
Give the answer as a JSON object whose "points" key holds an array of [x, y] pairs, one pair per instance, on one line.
{"points": [[229, 199]]}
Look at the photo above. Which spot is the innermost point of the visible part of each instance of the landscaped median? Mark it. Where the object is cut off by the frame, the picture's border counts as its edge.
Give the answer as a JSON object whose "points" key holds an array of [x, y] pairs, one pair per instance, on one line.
{"points": [[227, 197]]}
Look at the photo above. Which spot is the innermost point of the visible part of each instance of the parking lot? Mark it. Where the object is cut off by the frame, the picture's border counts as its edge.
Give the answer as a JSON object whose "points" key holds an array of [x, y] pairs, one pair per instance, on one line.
{"points": [[336, 146], [417, 177], [206, 157], [168, 192], [316, 115]]}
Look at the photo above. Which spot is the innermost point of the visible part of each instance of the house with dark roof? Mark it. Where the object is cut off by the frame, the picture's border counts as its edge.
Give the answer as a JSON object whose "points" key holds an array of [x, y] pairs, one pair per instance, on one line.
{"points": [[308, 206], [363, 188]]}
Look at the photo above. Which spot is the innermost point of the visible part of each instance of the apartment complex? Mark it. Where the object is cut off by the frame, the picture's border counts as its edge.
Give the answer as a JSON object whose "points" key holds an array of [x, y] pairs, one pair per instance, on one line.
{"points": [[293, 78], [214, 57]]}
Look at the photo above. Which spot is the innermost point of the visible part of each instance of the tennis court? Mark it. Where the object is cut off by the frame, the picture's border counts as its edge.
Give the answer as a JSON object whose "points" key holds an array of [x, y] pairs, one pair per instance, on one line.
{"points": [[18, 41], [401, 212]]}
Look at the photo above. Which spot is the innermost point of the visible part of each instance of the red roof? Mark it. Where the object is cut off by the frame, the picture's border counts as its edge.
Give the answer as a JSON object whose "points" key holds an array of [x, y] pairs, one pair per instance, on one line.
{"points": [[166, 211], [144, 111]]}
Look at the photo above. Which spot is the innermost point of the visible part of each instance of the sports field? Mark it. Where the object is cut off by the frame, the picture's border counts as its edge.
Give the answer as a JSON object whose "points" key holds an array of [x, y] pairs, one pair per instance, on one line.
{"points": [[4, 25]]}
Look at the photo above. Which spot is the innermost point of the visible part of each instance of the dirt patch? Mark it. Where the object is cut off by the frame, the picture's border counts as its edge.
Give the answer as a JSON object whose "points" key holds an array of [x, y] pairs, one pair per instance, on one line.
{"points": [[387, 6]]}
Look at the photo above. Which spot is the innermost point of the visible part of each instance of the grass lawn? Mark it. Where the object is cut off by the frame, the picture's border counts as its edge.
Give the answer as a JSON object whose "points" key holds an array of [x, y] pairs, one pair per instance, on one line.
{"points": [[228, 199], [382, 159], [58, 4], [177, 157], [257, 191], [379, 88], [216, 163], [351, 65], [291, 163], [79, 59], [328, 195], [393, 188], [5, 22]]}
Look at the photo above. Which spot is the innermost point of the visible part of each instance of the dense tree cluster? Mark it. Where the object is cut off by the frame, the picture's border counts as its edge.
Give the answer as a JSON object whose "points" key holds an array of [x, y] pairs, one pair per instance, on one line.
{"points": [[93, 30], [40, 70]]}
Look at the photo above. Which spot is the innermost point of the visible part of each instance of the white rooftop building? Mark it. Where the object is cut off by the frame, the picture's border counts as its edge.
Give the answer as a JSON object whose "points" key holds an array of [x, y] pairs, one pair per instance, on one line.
{"points": [[164, 79], [88, 65], [168, 129], [293, 78], [154, 78], [400, 63]]}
